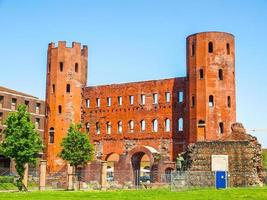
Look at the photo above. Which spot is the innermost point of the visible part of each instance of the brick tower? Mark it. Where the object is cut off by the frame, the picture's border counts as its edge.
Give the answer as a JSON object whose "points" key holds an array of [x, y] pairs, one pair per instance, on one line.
{"points": [[66, 76], [211, 85]]}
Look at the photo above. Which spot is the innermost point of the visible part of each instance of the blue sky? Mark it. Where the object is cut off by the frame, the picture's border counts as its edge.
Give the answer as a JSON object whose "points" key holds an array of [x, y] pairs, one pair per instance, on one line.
{"points": [[135, 40]]}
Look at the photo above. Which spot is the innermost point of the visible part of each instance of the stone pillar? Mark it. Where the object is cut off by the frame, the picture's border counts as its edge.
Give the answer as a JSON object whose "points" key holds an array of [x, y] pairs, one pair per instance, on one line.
{"points": [[26, 174], [103, 176], [70, 177], [42, 175]]}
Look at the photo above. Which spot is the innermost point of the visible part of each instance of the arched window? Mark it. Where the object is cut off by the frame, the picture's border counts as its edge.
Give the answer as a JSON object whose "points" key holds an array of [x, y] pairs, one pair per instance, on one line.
{"points": [[211, 101], [59, 109], [193, 49], [119, 127], [229, 102], [210, 47], [68, 88], [131, 126], [61, 66], [180, 124], [143, 125], [97, 126], [221, 128], [87, 126], [155, 125], [167, 125], [193, 102], [201, 123], [108, 127], [220, 74], [51, 135], [76, 67], [201, 74], [228, 48]]}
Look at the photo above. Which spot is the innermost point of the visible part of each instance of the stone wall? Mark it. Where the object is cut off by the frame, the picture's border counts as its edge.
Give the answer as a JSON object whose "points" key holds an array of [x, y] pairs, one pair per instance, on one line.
{"points": [[244, 157]]}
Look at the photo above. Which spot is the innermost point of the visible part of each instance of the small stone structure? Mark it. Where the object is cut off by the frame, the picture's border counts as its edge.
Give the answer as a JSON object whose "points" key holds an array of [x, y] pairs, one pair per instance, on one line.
{"points": [[245, 159]]}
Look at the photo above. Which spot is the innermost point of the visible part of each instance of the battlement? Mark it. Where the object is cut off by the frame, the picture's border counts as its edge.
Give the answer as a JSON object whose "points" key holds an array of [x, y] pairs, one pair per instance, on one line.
{"points": [[63, 44]]}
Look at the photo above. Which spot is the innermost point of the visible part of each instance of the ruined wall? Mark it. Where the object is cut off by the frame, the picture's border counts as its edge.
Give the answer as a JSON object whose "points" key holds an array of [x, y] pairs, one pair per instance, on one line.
{"points": [[65, 66], [168, 143], [244, 154], [210, 72]]}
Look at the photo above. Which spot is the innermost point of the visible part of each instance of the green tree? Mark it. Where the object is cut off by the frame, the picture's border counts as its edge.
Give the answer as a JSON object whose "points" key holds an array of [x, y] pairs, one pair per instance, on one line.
{"points": [[76, 148], [21, 141]]}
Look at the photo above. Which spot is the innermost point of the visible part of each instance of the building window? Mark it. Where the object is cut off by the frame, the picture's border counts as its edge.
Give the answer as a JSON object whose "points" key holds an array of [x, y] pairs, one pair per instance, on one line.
{"points": [[109, 101], [108, 127], [143, 99], [97, 127], [119, 127], [1, 101], [76, 67], [193, 49], [37, 123], [155, 125], [51, 135], [220, 74], [201, 74], [211, 101], [97, 102], [49, 68], [68, 88], [27, 104], [13, 104], [59, 109], [119, 100], [155, 98], [193, 102], [87, 127], [167, 97], [167, 125], [180, 97], [229, 102], [210, 47], [143, 125], [53, 88], [131, 126], [201, 123], [221, 128], [61, 66], [228, 48], [1, 118], [131, 100], [37, 108], [87, 102], [180, 124]]}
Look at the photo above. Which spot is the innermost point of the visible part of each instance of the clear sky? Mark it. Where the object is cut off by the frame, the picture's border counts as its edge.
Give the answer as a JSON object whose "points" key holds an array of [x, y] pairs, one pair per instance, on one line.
{"points": [[135, 40]]}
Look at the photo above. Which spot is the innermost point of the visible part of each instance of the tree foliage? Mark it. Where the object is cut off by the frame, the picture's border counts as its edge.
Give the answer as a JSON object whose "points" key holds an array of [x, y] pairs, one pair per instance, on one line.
{"points": [[21, 141], [76, 147]]}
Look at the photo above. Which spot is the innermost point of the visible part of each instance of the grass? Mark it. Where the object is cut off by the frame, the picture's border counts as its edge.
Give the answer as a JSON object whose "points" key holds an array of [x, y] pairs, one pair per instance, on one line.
{"points": [[159, 194]]}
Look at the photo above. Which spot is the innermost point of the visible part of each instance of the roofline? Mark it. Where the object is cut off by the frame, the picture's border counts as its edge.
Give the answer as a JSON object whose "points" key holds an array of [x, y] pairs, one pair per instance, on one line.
{"points": [[204, 32], [134, 82], [17, 93]]}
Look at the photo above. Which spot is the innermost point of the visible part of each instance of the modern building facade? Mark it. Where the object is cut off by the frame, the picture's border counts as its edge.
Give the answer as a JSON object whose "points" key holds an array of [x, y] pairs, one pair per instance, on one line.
{"points": [[155, 119], [9, 100]]}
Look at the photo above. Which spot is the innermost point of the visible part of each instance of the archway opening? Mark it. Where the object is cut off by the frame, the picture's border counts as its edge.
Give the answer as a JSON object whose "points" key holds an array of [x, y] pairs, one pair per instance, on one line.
{"points": [[141, 168], [111, 160], [168, 174]]}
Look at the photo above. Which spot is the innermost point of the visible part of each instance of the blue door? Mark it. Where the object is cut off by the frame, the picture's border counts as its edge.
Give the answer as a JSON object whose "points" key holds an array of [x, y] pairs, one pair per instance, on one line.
{"points": [[221, 179]]}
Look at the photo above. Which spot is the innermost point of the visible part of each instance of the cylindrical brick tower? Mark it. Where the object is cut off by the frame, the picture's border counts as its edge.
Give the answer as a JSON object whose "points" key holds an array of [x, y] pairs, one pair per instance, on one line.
{"points": [[66, 76], [211, 100]]}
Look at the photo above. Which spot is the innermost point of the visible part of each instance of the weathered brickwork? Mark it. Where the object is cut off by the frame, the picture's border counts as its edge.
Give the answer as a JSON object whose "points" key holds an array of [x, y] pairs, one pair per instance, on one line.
{"points": [[157, 118]]}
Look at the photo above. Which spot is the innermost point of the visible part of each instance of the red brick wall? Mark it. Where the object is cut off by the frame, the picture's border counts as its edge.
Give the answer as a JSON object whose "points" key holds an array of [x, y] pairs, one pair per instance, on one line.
{"points": [[122, 142], [210, 85], [70, 102]]}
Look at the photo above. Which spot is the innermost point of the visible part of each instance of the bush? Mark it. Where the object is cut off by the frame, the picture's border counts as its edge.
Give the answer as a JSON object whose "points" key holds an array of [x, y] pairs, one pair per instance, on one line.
{"points": [[7, 179]]}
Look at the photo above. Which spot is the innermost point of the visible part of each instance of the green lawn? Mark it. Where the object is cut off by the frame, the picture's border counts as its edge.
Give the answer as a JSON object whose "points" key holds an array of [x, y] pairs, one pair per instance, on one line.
{"points": [[205, 194]]}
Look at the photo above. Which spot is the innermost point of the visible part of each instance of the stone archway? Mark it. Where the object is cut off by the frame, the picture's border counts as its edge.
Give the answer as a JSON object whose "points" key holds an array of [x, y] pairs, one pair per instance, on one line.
{"points": [[111, 159], [138, 155]]}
